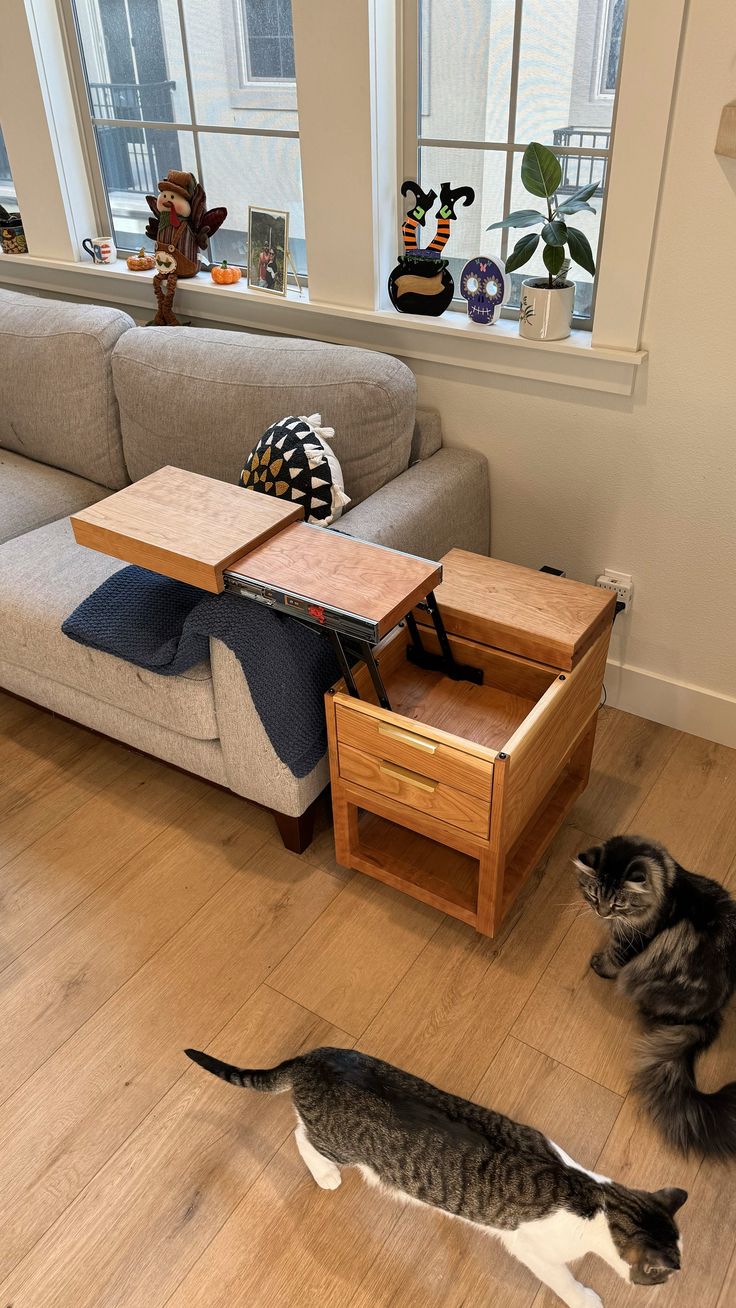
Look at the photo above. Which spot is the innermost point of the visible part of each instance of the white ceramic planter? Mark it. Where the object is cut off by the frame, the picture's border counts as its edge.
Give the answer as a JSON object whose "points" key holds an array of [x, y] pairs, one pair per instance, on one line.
{"points": [[545, 313]]}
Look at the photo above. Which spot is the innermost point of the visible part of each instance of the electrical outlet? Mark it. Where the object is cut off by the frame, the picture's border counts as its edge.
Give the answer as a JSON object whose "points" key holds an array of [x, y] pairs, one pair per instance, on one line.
{"points": [[621, 585]]}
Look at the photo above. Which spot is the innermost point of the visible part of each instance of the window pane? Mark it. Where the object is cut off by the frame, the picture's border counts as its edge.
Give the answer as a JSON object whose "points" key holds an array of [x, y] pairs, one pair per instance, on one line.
{"points": [[587, 223], [237, 50], [133, 57], [8, 198], [265, 172], [133, 160], [559, 69], [484, 171], [465, 62]]}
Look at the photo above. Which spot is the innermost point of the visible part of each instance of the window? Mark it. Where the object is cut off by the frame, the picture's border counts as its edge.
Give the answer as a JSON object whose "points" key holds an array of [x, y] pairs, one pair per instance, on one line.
{"points": [[493, 75], [269, 40], [160, 81], [8, 198], [612, 31]]}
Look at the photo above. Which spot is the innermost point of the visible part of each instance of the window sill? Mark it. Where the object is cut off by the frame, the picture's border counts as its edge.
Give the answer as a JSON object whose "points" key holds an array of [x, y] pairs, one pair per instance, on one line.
{"points": [[453, 340]]}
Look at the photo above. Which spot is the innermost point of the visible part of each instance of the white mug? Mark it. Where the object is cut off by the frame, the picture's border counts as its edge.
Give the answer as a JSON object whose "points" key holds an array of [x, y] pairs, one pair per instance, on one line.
{"points": [[100, 248]]}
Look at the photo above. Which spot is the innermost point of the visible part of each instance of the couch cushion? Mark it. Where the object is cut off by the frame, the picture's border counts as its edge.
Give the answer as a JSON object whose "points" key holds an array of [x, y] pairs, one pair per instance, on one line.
{"points": [[201, 399], [32, 494], [43, 576], [57, 402]]}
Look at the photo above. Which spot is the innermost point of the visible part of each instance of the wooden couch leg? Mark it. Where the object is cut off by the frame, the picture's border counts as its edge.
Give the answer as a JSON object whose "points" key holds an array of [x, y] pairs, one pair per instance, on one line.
{"points": [[296, 832]]}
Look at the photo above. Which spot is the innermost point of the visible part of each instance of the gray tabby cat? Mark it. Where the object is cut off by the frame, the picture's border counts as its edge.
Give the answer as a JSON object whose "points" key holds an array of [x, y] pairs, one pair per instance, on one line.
{"points": [[672, 946], [433, 1148]]}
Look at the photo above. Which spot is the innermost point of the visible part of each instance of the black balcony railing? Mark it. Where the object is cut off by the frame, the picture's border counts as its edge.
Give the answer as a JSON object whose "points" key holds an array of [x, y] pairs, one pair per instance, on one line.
{"points": [[134, 158], [582, 169]]}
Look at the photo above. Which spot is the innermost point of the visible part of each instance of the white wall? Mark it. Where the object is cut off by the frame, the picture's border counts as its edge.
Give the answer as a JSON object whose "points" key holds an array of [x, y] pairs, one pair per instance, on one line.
{"points": [[648, 485]]}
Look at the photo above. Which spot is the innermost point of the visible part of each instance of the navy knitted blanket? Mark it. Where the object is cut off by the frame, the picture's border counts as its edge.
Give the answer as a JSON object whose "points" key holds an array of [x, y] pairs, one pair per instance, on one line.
{"points": [[165, 626]]}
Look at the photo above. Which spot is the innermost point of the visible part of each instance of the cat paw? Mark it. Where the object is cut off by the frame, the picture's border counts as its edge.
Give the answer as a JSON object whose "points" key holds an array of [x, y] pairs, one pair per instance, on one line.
{"points": [[590, 1299], [602, 966], [329, 1180]]}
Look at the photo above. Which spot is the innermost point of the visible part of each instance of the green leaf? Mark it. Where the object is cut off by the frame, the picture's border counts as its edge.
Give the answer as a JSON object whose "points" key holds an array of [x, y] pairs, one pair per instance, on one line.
{"points": [[584, 193], [554, 233], [554, 257], [580, 250], [520, 218], [541, 173], [522, 252], [575, 206]]}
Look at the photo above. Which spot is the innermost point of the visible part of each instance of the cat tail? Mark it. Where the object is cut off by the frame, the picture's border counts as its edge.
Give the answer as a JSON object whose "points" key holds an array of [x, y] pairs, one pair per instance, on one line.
{"points": [[271, 1080], [665, 1078]]}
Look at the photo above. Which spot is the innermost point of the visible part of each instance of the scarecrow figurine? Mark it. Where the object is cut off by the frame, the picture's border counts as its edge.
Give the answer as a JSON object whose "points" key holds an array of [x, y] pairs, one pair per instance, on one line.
{"points": [[180, 227]]}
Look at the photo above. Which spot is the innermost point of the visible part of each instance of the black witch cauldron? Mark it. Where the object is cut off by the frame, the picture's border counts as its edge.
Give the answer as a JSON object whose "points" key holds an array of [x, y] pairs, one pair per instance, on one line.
{"points": [[422, 282]]}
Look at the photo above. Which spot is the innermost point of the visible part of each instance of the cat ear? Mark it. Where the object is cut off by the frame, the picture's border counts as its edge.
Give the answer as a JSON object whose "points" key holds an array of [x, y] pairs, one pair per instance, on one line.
{"points": [[636, 872], [589, 860], [658, 1261], [671, 1198]]}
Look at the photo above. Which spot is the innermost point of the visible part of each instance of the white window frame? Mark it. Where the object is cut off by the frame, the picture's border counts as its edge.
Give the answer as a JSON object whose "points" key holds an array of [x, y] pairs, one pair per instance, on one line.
{"points": [[350, 116], [193, 129], [414, 142]]}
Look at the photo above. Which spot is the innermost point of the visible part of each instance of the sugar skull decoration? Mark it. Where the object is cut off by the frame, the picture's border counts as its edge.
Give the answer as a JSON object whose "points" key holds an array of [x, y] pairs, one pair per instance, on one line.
{"points": [[181, 226], [421, 282], [484, 284]]}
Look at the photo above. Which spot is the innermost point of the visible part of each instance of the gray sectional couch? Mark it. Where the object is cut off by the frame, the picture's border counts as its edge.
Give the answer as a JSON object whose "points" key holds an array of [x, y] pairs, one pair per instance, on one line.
{"points": [[89, 402]]}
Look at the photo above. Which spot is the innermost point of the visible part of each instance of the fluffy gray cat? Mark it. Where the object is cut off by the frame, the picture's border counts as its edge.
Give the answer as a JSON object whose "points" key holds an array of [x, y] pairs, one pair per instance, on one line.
{"points": [[672, 948], [433, 1148]]}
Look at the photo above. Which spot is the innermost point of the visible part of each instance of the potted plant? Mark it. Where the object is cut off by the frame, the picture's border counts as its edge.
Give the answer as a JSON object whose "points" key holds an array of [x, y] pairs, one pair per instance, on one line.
{"points": [[547, 302]]}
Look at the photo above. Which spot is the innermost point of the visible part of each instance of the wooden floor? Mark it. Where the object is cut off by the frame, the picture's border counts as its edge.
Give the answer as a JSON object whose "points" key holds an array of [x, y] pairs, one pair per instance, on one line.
{"points": [[142, 911]]}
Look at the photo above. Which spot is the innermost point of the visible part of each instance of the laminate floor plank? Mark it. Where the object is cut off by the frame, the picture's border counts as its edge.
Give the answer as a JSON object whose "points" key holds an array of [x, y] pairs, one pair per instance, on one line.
{"points": [[67, 790], [68, 1119], [59, 982], [691, 807], [63, 866], [452, 1011], [142, 911], [630, 754], [148, 1214], [351, 960]]}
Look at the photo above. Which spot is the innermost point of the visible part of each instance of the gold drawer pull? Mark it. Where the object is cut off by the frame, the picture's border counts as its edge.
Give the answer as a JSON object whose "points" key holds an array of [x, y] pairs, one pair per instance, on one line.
{"points": [[406, 738], [413, 778]]}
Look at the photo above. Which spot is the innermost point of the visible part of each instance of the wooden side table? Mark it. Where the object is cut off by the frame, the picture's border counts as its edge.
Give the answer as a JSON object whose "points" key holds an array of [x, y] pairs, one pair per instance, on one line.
{"points": [[454, 794]]}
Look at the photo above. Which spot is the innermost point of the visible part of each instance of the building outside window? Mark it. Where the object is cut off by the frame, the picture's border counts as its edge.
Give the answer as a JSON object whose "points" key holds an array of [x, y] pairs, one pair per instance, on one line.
{"points": [[268, 40], [8, 198], [493, 75], [162, 94]]}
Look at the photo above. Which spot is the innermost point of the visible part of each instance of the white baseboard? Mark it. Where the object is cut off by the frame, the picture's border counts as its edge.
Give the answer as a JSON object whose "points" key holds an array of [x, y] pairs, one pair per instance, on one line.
{"points": [[688, 708]]}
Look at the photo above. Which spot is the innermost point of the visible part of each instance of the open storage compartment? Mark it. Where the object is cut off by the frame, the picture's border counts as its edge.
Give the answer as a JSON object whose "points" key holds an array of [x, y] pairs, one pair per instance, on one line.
{"points": [[453, 794]]}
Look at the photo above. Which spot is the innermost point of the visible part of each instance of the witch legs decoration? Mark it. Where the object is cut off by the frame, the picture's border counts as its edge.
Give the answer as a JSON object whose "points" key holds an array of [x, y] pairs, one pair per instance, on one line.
{"points": [[421, 282]]}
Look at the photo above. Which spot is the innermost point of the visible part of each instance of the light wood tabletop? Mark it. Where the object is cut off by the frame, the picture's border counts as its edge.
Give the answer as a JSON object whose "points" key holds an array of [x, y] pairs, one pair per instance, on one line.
{"points": [[379, 584], [182, 525]]}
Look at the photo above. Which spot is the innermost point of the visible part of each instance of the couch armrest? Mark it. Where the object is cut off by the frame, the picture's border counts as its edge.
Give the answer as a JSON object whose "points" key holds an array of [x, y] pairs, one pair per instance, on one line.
{"points": [[442, 502], [253, 767]]}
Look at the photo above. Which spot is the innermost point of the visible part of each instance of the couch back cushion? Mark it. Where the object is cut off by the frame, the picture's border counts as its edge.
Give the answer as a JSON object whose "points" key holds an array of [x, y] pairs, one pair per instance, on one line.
{"points": [[57, 403], [200, 399]]}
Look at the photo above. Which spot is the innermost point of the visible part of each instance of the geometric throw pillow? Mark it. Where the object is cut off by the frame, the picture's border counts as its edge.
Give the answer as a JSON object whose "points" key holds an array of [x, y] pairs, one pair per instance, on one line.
{"points": [[293, 461]]}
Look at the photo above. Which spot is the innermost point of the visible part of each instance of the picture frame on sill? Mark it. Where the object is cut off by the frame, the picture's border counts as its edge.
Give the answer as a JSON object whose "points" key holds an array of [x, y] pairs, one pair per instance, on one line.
{"points": [[268, 249]]}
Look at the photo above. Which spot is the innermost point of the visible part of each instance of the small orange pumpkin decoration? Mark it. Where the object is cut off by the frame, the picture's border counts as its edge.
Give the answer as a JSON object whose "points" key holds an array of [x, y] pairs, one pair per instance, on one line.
{"points": [[141, 262], [226, 274]]}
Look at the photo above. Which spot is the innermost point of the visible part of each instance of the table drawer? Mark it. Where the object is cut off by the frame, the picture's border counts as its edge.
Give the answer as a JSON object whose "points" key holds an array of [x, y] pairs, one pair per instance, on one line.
{"points": [[420, 753], [415, 789]]}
